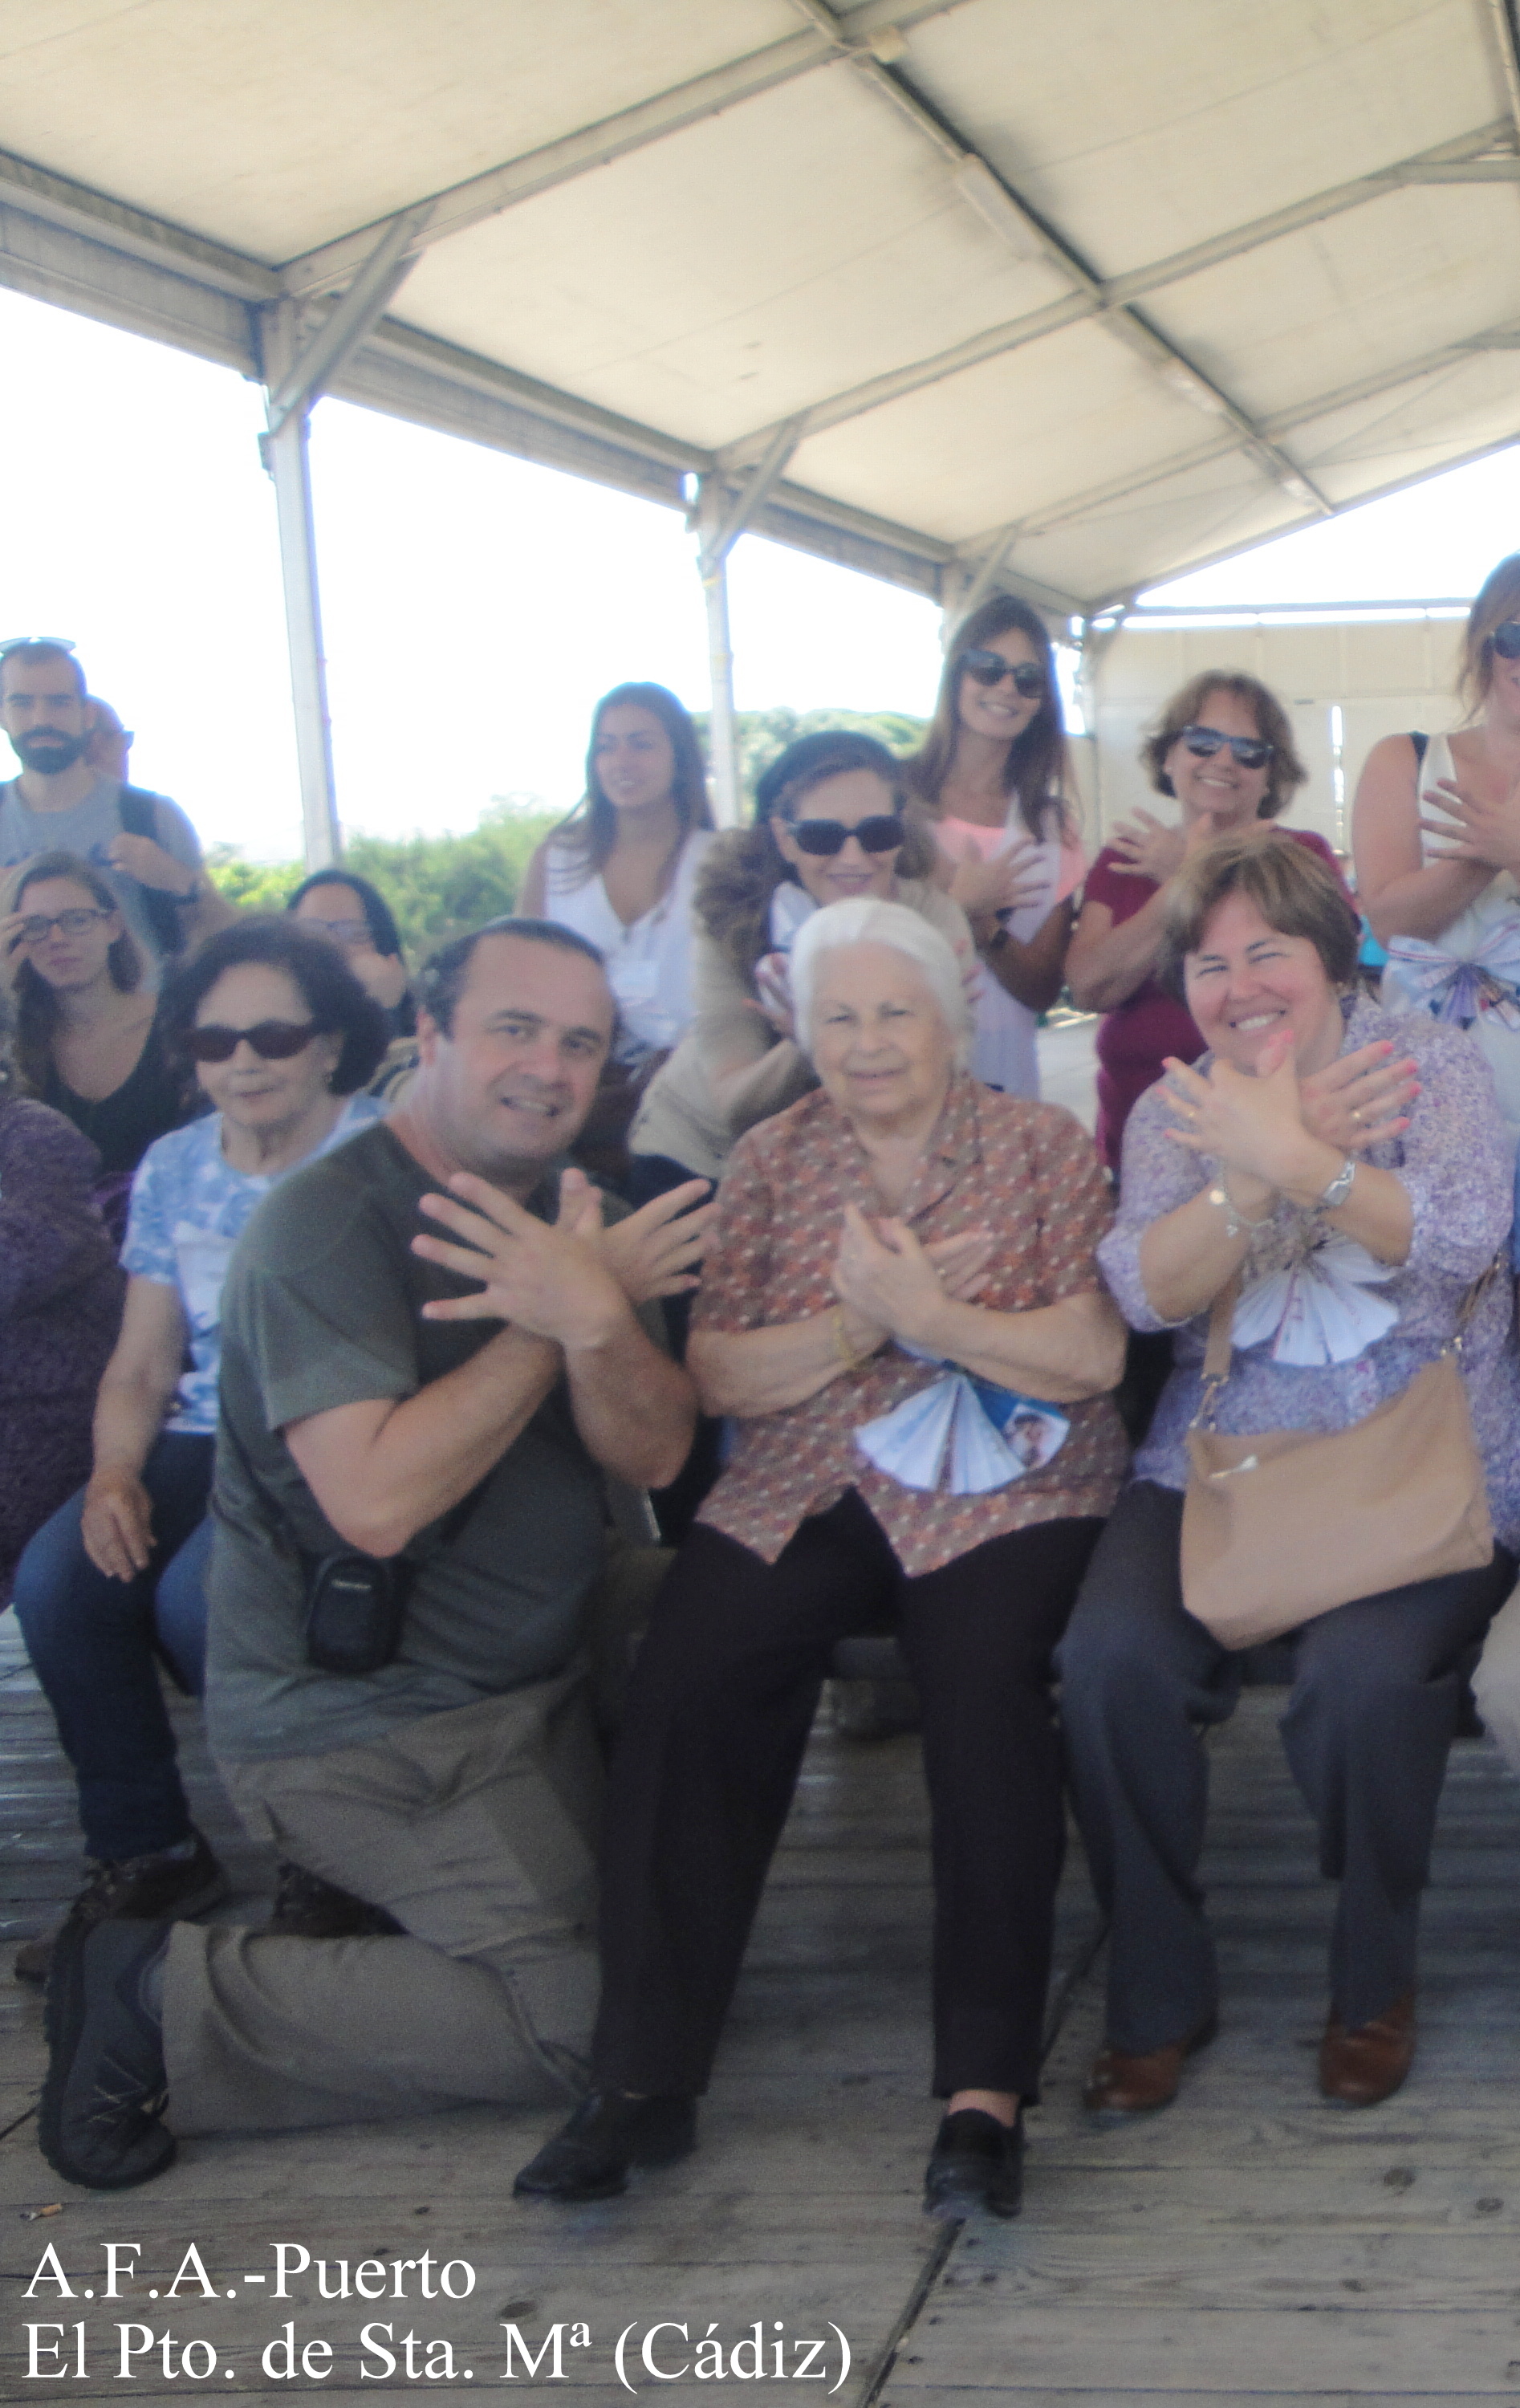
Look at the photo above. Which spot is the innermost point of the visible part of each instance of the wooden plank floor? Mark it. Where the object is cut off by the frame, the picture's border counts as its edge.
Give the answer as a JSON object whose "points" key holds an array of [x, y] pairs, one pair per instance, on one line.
{"points": [[1253, 2244]]}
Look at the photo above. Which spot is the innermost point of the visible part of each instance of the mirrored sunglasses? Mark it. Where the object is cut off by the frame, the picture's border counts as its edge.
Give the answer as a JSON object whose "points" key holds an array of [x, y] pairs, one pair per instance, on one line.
{"points": [[1506, 639], [21, 643], [882, 833], [343, 932], [1252, 752], [990, 668], [273, 1041]]}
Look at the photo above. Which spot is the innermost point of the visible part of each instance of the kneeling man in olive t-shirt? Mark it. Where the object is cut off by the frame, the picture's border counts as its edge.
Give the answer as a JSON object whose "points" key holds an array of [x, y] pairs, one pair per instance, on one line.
{"points": [[433, 1352]]}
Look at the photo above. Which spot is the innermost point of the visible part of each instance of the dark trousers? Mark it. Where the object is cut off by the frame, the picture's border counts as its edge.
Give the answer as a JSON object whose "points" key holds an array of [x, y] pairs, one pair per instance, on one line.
{"points": [[95, 1643], [1376, 1694], [718, 1708]]}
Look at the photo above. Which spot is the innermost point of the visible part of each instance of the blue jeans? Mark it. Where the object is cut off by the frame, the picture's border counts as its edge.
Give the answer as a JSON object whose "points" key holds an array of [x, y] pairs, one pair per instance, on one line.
{"points": [[95, 1640]]}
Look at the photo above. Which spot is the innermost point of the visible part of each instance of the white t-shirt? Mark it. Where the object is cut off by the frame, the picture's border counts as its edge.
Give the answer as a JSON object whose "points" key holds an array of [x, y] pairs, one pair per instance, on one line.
{"points": [[649, 960], [1004, 1051]]}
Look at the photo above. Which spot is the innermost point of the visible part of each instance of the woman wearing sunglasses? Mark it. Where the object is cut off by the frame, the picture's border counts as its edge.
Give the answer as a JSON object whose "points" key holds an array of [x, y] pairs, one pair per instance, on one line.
{"points": [[1222, 750], [1436, 836], [828, 828], [87, 1040], [282, 1035], [992, 772]]}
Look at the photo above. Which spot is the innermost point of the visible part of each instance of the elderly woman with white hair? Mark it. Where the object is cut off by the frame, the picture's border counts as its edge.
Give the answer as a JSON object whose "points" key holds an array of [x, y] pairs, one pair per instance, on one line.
{"points": [[900, 1268]]}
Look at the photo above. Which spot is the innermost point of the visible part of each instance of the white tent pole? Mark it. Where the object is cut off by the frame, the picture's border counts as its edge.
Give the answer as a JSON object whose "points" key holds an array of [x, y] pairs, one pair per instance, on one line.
{"points": [[722, 732], [286, 458]]}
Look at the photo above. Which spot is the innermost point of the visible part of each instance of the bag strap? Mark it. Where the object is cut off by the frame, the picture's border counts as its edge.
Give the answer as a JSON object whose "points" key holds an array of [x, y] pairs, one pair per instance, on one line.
{"points": [[1420, 741], [138, 810]]}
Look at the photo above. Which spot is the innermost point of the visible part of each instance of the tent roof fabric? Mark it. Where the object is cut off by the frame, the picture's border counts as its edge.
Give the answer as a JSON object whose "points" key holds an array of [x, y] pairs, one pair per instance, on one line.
{"points": [[1072, 301]]}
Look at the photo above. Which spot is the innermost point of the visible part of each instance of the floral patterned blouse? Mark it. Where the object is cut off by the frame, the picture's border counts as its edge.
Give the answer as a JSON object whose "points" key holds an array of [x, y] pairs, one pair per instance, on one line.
{"points": [[1026, 1171], [1454, 1160]]}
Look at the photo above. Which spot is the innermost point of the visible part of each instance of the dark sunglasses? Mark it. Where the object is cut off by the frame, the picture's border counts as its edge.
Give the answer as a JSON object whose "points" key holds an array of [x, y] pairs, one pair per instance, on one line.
{"points": [[990, 668], [1252, 752], [882, 833], [1506, 639], [273, 1041]]}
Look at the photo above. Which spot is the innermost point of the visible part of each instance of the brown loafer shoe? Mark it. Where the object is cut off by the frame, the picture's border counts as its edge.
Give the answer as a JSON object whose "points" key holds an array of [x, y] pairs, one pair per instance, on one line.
{"points": [[1363, 2067], [1137, 2085]]}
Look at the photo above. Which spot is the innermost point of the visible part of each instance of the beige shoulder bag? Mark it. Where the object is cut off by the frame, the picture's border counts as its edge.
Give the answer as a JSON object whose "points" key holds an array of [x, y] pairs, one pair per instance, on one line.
{"points": [[1289, 1524]]}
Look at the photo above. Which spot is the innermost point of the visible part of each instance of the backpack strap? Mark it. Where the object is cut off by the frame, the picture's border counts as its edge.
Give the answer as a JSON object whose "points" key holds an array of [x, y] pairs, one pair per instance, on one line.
{"points": [[138, 812], [1421, 743]]}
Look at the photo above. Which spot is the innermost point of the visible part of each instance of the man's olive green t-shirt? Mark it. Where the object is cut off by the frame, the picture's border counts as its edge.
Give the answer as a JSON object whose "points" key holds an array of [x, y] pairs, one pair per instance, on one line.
{"points": [[322, 1308]]}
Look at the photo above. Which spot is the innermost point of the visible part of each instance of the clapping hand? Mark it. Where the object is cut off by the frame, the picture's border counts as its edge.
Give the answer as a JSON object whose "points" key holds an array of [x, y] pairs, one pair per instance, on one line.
{"points": [[1005, 883], [1359, 1101], [656, 1251], [1149, 848], [552, 1283], [1473, 828], [1254, 1125], [884, 1275]]}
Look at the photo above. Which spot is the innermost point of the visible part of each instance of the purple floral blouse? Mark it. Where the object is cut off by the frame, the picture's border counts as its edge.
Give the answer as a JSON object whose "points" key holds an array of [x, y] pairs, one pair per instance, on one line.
{"points": [[1456, 1160]]}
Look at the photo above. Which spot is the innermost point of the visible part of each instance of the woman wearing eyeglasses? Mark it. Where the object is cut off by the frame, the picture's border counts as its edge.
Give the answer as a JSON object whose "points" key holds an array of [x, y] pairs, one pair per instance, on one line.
{"points": [[355, 915], [828, 827], [282, 1035], [1436, 837], [87, 1041], [1222, 750], [992, 772]]}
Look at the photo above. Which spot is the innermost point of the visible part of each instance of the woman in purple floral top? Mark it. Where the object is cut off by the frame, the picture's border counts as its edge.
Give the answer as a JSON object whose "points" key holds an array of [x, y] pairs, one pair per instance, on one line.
{"points": [[1355, 1258]]}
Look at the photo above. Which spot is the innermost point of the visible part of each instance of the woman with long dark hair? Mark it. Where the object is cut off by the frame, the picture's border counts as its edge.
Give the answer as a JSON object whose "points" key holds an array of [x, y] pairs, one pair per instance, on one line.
{"points": [[622, 870], [87, 1038], [993, 774]]}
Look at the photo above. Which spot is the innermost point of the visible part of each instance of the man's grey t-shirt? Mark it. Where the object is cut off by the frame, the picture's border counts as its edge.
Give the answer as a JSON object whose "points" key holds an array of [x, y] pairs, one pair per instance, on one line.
{"points": [[322, 1308], [91, 828]]}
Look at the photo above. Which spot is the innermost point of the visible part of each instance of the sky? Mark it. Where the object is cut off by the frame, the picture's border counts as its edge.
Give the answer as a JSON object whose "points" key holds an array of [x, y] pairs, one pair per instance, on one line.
{"points": [[473, 605]]}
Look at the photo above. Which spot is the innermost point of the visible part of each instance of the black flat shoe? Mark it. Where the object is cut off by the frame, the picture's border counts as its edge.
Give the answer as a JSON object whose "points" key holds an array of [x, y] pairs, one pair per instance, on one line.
{"points": [[608, 2133], [106, 2087], [976, 2167]]}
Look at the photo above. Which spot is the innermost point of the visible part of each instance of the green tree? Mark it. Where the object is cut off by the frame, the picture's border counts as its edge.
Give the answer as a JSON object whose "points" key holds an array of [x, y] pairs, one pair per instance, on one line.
{"points": [[437, 886]]}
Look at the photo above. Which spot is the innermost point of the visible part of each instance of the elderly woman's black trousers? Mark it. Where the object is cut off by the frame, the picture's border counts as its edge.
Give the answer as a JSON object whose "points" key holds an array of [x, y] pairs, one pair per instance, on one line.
{"points": [[718, 1714], [1376, 1696]]}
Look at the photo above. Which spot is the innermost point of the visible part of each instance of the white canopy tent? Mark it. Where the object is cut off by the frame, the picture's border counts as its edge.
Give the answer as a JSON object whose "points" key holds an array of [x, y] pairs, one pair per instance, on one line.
{"points": [[965, 294]]}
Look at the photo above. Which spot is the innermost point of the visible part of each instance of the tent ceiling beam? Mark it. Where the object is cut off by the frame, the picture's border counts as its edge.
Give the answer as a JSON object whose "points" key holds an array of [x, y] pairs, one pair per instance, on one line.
{"points": [[465, 204], [1182, 464], [1031, 232], [1501, 19], [1446, 162], [350, 320], [728, 524]]}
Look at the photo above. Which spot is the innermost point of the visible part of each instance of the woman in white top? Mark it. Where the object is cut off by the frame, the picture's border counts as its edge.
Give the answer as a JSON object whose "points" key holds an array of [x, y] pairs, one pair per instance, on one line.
{"points": [[993, 774], [1436, 833], [622, 868]]}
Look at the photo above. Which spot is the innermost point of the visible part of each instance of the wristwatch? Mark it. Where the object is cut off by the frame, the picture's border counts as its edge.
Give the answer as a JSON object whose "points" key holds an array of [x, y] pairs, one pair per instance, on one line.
{"points": [[1339, 1189]]}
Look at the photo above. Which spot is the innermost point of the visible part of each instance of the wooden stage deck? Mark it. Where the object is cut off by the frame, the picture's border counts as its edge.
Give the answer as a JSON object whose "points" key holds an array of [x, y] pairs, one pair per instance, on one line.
{"points": [[1252, 2244]]}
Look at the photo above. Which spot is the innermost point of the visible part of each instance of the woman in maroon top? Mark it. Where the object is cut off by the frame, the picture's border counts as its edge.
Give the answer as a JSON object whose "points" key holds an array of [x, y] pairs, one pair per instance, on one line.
{"points": [[1223, 750], [893, 1261]]}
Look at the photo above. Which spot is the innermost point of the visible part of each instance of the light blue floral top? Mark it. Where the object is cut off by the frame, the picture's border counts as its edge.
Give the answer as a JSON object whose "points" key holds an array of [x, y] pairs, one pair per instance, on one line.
{"points": [[188, 1208]]}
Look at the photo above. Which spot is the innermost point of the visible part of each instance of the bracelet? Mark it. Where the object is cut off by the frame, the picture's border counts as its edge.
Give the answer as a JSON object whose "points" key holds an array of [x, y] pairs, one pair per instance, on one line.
{"points": [[842, 1348], [1235, 1224], [1339, 1189]]}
